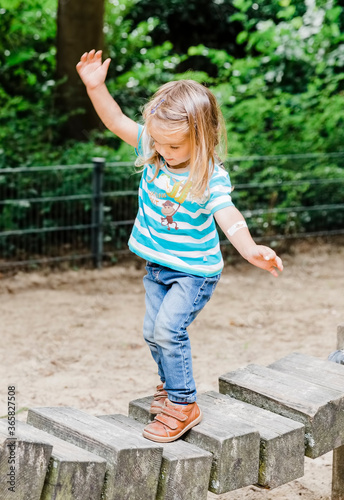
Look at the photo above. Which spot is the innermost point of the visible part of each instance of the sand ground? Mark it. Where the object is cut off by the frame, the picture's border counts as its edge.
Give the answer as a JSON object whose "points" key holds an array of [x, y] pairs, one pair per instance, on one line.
{"points": [[74, 338]]}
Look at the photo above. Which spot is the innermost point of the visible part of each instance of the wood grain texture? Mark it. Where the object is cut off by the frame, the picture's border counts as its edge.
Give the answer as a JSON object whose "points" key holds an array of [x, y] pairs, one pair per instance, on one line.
{"points": [[31, 457], [318, 371], [338, 453], [72, 473], [281, 439], [185, 468], [338, 474], [234, 446], [340, 336], [133, 463], [320, 409]]}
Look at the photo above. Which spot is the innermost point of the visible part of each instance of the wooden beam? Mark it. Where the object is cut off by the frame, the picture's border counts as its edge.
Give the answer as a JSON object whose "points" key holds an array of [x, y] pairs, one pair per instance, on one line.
{"points": [[73, 473], [318, 371], [338, 474], [24, 462], [234, 445], [282, 448], [340, 336], [338, 453], [185, 468], [133, 463], [289, 395]]}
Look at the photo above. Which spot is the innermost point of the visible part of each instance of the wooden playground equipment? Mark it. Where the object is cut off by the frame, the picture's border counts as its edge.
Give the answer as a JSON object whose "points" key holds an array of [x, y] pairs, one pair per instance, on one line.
{"points": [[255, 430]]}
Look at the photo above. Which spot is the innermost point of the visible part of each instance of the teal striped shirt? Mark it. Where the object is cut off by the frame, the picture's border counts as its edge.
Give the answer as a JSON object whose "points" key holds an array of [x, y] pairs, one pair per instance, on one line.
{"points": [[171, 229]]}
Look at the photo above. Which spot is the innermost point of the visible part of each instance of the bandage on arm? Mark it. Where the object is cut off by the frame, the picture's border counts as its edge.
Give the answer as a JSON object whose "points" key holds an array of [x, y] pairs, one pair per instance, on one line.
{"points": [[234, 226]]}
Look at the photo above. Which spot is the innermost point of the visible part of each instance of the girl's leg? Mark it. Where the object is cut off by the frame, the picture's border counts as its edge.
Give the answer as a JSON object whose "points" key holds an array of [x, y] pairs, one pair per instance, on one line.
{"points": [[184, 298], [155, 294]]}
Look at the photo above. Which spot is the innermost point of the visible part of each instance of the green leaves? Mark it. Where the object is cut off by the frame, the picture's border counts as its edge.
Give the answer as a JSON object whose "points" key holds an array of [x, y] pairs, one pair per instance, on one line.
{"points": [[19, 57], [280, 85]]}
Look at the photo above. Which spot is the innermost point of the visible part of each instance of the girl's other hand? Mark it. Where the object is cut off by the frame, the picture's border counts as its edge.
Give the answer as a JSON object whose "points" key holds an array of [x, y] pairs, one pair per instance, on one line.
{"points": [[91, 69], [265, 258]]}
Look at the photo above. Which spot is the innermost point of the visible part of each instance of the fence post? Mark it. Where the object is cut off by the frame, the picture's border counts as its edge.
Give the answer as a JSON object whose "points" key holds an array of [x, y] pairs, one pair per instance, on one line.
{"points": [[97, 211], [338, 453]]}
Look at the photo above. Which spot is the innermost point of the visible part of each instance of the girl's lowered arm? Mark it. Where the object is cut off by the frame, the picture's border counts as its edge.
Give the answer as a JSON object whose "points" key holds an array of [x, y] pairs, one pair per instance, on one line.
{"points": [[233, 224], [92, 72]]}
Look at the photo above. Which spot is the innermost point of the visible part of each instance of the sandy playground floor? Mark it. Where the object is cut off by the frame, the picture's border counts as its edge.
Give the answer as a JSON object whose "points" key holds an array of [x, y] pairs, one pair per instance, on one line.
{"points": [[74, 338]]}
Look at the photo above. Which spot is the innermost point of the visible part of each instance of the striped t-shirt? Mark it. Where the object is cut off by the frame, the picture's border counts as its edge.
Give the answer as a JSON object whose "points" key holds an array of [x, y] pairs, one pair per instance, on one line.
{"points": [[173, 230]]}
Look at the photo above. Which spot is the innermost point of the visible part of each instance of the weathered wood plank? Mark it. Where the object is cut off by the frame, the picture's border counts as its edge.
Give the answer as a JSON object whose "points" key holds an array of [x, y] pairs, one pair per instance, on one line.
{"points": [[340, 336], [338, 454], [185, 468], [318, 371], [338, 474], [23, 464], [73, 473], [311, 404], [281, 439], [133, 463], [234, 445]]}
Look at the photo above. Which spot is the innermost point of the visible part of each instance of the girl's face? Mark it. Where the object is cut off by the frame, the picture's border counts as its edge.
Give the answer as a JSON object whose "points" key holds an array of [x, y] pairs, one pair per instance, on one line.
{"points": [[174, 147]]}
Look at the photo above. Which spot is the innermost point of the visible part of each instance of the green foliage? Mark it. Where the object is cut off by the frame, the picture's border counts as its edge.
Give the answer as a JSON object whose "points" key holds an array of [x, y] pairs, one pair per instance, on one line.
{"points": [[282, 94], [28, 119], [138, 66], [286, 94], [276, 67]]}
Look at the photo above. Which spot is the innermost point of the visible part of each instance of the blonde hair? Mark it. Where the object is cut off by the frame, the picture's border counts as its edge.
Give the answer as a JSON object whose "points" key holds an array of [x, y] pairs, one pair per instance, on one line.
{"points": [[189, 108]]}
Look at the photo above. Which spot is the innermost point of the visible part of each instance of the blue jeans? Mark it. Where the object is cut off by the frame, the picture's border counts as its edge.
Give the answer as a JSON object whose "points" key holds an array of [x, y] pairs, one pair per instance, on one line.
{"points": [[173, 300]]}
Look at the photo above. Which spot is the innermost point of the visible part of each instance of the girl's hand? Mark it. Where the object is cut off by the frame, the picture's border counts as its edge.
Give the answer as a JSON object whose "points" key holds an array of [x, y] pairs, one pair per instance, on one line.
{"points": [[265, 258], [91, 69]]}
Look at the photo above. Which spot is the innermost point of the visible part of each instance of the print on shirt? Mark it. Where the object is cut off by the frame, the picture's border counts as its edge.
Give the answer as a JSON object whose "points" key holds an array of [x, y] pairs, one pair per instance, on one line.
{"points": [[168, 209], [178, 193]]}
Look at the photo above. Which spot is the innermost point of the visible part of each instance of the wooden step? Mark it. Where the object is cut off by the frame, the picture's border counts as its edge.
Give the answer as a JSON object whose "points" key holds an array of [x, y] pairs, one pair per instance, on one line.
{"points": [[185, 468], [281, 439], [73, 473], [321, 372], [133, 463], [24, 461], [234, 445], [340, 336], [318, 408]]}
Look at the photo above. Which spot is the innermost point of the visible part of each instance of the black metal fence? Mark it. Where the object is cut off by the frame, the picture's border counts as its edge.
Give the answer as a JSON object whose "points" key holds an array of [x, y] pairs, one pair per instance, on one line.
{"points": [[83, 214], [78, 214]]}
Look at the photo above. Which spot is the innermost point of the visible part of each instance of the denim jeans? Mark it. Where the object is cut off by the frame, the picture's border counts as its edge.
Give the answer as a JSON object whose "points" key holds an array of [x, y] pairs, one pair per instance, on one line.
{"points": [[173, 300]]}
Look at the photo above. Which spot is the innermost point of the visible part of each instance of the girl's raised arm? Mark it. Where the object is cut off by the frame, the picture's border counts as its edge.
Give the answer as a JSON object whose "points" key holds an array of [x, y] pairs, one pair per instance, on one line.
{"points": [[92, 72]]}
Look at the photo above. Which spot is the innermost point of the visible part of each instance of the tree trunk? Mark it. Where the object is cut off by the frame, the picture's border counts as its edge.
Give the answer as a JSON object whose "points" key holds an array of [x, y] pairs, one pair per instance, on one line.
{"points": [[79, 29]]}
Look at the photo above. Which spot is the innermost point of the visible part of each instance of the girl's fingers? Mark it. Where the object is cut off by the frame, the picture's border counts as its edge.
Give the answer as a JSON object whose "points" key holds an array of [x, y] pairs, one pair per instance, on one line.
{"points": [[279, 263], [106, 63], [89, 56], [268, 254]]}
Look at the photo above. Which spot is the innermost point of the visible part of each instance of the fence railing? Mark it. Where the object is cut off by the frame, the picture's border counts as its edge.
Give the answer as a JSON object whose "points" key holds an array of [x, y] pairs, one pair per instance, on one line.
{"points": [[84, 213]]}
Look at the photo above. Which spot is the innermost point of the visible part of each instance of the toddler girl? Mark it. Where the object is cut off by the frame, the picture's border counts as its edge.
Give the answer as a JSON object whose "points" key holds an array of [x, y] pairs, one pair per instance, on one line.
{"points": [[183, 191]]}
